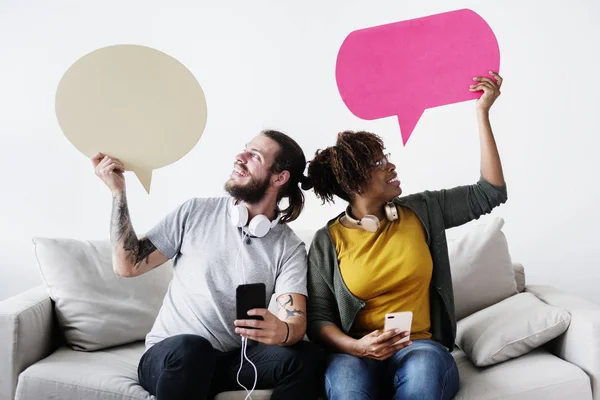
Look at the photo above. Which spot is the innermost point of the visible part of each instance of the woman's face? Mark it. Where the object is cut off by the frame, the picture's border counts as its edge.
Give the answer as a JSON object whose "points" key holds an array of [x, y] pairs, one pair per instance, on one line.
{"points": [[384, 184]]}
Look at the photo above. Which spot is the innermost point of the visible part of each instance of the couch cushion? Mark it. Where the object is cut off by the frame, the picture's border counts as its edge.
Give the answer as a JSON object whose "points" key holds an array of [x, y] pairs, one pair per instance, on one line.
{"points": [[109, 374], [241, 395], [519, 276], [537, 375], [482, 270], [510, 329], [95, 307]]}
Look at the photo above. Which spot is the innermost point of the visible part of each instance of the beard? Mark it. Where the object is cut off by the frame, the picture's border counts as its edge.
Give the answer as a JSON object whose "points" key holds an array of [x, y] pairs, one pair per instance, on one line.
{"points": [[251, 192]]}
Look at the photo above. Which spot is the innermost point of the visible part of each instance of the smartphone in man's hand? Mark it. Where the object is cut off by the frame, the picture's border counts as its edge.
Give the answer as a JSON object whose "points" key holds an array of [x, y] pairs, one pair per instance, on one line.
{"points": [[248, 297]]}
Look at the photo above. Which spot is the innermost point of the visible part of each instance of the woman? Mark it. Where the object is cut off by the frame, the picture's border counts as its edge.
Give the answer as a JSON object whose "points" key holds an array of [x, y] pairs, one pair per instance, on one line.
{"points": [[387, 254]]}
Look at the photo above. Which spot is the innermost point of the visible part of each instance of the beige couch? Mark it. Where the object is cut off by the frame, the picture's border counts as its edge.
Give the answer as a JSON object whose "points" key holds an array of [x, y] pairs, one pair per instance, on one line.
{"points": [[36, 365]]}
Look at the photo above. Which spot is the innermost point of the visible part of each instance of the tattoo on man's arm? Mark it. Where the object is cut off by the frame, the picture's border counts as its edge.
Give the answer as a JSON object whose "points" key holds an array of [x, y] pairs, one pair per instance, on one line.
{"points": [[145, 249], [288, 306], [121, 230], [119, 223]]}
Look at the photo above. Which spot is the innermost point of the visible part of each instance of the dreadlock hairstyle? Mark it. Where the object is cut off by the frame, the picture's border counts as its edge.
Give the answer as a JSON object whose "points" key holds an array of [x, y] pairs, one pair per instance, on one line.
{"points": [[345, 168]]}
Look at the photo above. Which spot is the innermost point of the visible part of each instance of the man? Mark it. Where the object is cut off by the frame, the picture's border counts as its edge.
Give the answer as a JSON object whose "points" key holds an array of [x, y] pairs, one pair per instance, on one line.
{"points": [[193, 349]]}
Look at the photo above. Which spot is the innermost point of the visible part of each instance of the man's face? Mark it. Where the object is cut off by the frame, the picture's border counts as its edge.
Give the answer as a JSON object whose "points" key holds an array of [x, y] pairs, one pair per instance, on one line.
{"points": [[251, 176]]}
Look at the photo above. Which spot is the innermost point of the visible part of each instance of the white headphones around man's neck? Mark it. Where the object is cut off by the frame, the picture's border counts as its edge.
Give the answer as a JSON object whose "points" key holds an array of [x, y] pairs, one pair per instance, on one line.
{"points": [[259, 226], [369, 223]]}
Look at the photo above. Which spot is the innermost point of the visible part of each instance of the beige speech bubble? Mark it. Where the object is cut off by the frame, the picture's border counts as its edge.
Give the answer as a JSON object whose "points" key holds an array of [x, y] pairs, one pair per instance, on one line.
{"points": [[133, 103]]}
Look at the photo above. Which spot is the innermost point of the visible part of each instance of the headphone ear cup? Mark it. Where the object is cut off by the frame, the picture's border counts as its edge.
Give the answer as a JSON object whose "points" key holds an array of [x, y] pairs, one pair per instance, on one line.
{"points": [[349, 222], [239, 215], [391, 211], [259, 226], [370, 223]]}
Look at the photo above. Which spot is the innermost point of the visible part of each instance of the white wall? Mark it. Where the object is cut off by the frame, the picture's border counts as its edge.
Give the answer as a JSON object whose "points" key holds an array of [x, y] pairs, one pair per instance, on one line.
{"points": [[271, 64]]}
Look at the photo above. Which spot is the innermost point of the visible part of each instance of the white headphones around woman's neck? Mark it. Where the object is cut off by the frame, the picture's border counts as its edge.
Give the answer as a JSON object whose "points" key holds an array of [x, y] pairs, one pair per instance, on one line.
{"points": [[258, 226], [369, 223]]}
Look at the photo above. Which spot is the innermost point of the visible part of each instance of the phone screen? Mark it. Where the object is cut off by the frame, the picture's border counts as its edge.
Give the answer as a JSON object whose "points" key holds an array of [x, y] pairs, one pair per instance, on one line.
{"points": [[248, 297]]}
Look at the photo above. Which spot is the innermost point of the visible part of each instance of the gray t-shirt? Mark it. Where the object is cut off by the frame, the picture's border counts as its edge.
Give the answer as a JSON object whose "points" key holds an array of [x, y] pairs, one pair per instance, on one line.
{"points": [[207, 270]]}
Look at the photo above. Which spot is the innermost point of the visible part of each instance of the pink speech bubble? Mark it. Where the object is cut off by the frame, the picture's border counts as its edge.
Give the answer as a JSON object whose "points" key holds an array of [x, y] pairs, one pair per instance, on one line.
{"points": [[406, 67]]}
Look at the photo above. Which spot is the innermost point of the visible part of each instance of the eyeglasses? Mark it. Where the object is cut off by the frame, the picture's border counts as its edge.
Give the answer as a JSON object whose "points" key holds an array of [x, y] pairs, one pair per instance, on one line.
{"points": [[382, 164]]}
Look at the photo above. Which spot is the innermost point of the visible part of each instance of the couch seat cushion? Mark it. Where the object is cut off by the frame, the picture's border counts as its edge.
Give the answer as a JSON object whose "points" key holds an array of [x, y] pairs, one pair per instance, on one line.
{"points": [[111, 374], [536, 375], [108, 374]]}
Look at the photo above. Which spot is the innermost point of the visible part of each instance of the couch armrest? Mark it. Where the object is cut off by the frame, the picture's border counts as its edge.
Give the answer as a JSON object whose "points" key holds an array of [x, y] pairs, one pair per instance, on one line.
{"points": [[580, 344], [26, 335]]}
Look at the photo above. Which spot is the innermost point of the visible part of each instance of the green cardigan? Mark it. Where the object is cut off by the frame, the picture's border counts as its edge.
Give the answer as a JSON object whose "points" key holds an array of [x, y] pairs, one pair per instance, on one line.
{"points": [[330, 301]]}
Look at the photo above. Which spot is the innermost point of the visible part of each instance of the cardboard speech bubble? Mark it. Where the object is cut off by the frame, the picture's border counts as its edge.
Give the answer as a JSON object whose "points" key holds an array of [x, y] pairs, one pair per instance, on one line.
{"points": [[402, 69], [134, 103]]}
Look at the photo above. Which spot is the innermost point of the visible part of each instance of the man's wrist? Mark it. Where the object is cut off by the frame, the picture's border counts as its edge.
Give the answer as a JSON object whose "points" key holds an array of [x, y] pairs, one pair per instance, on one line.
{"points": [[287, 333]]}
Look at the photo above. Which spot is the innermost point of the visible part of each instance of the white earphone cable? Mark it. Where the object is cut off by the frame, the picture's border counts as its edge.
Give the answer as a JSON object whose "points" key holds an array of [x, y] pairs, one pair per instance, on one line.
{"points": [[244, 340], [243, 236], [244, 356]]}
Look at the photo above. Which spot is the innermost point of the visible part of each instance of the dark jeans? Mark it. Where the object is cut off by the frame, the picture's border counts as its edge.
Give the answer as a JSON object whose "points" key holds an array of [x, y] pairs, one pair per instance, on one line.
{"points": [[425, 370], [188, 367]]}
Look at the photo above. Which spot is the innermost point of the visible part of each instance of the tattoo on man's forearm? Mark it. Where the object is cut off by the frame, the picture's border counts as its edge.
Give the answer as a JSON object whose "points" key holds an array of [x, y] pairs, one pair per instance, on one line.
{"points": [[288, 307], [122, 231], [120, 219]]}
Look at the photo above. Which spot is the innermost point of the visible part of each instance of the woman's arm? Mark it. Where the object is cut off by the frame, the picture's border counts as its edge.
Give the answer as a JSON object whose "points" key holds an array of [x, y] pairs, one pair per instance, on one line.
{"points": [[491, 166], [338, 341], [375, 345], [321, 304], [462, 204]]}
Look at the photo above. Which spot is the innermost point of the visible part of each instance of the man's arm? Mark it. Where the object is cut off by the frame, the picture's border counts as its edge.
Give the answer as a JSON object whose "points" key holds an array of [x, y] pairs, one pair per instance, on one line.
{"points": [[289, 325], [291, 309], [285, 329], [131, 256]]}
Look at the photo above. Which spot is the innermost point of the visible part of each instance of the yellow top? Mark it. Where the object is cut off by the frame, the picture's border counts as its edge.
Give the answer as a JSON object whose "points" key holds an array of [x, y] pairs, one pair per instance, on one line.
{"points": [[389, 270]]}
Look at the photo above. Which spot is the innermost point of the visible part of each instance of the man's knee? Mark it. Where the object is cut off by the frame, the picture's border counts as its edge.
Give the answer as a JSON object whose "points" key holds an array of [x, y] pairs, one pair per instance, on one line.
{"points": [[189, 350], [301, 360]]}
